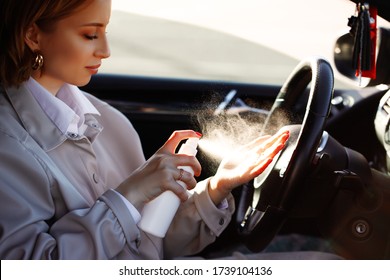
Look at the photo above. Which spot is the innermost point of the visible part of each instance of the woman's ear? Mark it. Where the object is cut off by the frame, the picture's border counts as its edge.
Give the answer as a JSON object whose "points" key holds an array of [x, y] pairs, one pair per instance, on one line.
{"points": [[32, 37]]}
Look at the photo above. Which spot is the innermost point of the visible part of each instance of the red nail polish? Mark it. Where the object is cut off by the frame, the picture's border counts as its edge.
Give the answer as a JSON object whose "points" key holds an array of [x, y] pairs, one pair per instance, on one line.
{"points": [[199, 134]]}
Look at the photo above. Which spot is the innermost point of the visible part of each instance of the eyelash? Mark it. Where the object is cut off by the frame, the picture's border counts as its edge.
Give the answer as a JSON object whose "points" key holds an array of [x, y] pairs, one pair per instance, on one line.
{"points": [[91, 37]]}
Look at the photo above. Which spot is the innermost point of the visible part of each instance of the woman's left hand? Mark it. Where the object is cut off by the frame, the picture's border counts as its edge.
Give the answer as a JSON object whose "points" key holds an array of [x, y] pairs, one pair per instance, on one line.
{"points": [[244, 164]]}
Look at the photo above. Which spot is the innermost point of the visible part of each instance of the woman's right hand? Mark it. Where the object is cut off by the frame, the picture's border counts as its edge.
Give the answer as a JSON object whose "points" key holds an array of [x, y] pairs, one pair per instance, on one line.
{"points": [[160, 173]]}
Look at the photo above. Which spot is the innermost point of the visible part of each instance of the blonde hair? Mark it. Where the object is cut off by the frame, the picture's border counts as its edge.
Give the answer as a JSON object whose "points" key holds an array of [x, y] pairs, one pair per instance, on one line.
{"points": [[16, 17]]}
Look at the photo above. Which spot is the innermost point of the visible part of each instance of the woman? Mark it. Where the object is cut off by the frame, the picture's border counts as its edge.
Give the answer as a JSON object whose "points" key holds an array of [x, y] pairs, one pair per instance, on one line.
{"points": [[72, 185]]}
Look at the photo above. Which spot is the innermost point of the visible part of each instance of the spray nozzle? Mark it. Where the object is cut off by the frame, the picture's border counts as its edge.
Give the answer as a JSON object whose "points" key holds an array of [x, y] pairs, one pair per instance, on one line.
{"points": [[190, 146], [193, 142]]}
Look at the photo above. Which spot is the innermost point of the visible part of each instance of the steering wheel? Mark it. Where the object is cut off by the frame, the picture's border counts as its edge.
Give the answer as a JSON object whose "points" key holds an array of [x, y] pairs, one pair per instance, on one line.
{"points": [[264, 206]]}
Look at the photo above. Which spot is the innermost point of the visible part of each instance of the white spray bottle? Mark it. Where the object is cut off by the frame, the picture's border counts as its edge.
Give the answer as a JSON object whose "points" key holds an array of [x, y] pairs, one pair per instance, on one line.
{"points": [[157, 215]]}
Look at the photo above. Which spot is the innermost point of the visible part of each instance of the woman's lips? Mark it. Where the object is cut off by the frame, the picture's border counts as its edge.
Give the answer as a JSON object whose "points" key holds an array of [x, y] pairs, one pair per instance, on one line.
{"points": [[93, 69]]}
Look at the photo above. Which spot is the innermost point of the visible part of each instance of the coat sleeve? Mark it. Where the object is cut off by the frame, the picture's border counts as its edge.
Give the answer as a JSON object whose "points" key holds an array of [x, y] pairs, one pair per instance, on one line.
{"points": [[31, 226], [197, 223]]}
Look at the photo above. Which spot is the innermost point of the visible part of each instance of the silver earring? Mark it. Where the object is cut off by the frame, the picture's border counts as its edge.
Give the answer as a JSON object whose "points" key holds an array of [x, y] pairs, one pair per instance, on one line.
{"points": [[38, 61]]}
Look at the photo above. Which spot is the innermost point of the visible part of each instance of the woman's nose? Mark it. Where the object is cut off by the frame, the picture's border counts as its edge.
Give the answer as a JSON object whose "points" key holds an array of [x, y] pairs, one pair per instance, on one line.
{"points": [[103, 49]]}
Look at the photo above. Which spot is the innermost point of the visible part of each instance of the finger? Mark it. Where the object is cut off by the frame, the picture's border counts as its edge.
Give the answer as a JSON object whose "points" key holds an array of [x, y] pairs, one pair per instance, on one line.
{"points": [[178, 189], [175, 139], [266, 157], [280, 137], [257, 142], [274, 141], [187, 178], [266, 141], [182, 181], [274, 147], [185, 160], [261, 167], [181, 171], [271, 152]]}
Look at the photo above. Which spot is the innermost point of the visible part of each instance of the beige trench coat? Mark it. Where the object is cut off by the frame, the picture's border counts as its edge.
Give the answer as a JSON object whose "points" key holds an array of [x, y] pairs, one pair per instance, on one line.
{"points": [[56, 198]]}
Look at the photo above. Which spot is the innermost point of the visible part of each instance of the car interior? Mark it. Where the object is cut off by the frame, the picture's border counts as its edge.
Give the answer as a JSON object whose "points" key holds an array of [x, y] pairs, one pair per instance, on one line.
{"points": [[332, 180]]}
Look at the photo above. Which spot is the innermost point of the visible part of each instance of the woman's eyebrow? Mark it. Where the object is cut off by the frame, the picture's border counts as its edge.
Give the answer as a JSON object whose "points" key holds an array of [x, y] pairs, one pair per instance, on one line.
{"points": [[97, 24]]}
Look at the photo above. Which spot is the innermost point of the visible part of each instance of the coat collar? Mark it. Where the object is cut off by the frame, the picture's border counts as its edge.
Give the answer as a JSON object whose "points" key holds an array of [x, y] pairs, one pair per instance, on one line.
{"points": [[36, 122]]}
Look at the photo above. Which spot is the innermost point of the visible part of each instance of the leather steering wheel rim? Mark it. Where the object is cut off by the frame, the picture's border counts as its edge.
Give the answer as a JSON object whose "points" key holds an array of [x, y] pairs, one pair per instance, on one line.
{"points": [[261, 224]]}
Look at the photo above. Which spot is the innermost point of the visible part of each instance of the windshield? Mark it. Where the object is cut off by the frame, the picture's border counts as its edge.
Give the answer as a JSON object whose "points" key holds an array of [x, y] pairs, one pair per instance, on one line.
{"points": [[251, 41]]}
